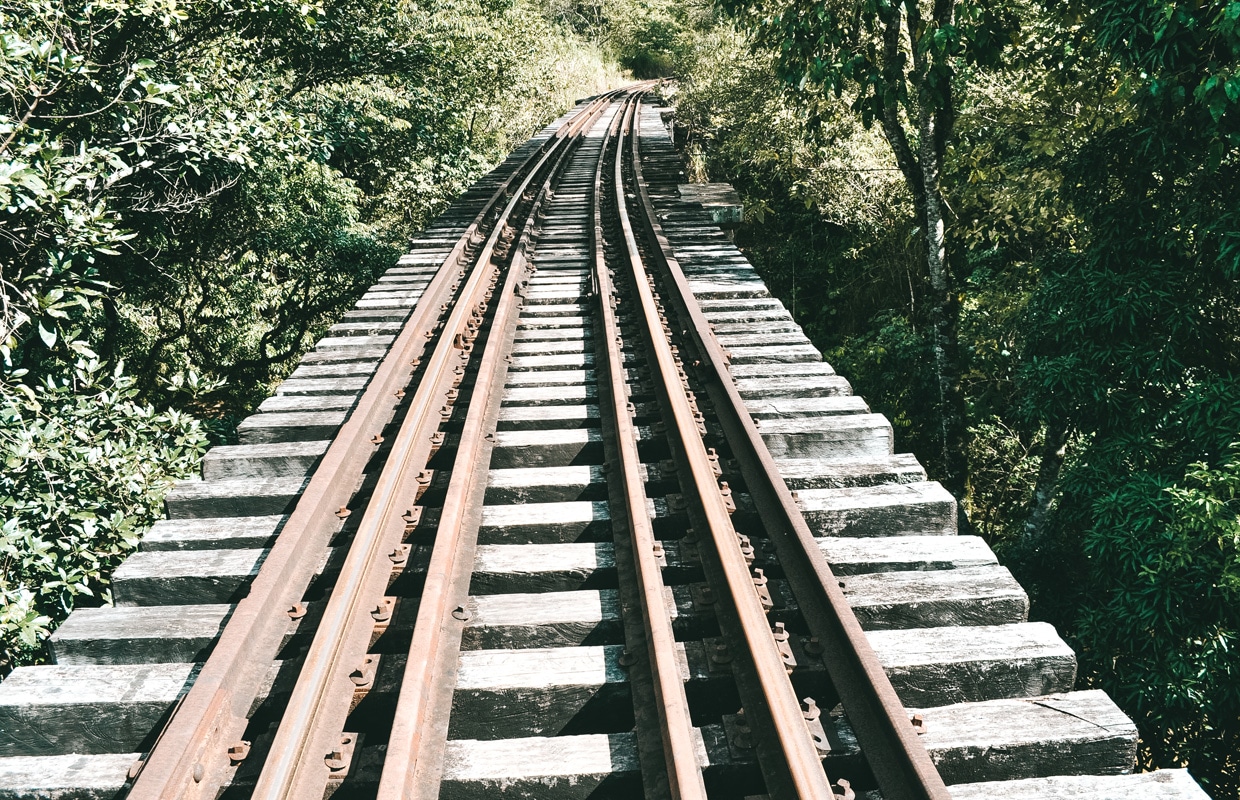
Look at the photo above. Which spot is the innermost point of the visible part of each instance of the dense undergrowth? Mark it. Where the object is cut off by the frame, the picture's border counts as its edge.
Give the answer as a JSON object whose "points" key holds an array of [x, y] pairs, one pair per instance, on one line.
{"points": [[190, 192], [1089, 173], [86, 466], [1016, 230]]}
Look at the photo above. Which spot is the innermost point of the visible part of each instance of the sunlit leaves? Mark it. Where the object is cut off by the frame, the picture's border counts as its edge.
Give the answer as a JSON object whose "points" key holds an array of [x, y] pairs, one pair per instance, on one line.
{"points": [[84, 469], [1165, 619], [199, 187]]}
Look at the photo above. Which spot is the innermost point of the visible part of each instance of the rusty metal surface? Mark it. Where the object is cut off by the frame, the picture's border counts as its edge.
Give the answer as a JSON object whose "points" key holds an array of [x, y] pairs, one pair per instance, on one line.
{"points": [[191, 759], [889, 741], [413, 762], [797, 771], [679, 751]]}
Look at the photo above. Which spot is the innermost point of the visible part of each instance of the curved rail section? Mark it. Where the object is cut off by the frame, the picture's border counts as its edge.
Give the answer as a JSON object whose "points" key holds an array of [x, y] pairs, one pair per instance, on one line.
{"points": [[563, 531]]}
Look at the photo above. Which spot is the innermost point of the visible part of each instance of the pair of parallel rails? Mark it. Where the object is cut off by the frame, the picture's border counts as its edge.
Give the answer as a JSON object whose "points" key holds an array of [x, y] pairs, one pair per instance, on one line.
{"points": [[471, 305], [364, 606]]}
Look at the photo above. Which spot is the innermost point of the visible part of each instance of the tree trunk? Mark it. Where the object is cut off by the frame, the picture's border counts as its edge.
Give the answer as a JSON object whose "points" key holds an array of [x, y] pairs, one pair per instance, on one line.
{"points": [[944, 312], [1054, 447]]}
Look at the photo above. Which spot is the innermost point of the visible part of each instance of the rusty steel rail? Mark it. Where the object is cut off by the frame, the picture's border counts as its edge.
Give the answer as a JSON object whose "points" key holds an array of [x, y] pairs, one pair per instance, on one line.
{"points": [[192, 756], [791, 763], [414, 759], [897, 758], [684, 774], [198, 752], [322, 697]]}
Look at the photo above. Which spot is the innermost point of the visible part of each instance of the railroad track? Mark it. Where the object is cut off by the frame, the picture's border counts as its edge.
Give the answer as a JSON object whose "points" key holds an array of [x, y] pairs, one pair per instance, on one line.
{"points": [[566, 507]]}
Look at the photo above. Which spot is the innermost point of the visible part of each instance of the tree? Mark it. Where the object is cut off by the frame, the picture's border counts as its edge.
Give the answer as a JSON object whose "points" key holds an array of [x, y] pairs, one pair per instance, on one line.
{"points": [[1133, 338], [899, 62], [194, 190]]}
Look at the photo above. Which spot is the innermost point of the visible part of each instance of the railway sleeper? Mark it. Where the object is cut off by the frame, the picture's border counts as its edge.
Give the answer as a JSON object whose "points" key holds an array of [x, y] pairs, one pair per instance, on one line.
{"points": [[274, 427], [212, 533], [514, 565], [920, 508], [195, 499], [762, 388], [835, 437], [816, 473], [804, 408], [543, 638]]}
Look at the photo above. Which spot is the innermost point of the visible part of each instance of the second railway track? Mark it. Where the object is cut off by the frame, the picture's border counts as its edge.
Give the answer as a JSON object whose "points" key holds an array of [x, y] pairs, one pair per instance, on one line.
{"points": [[600, 523]]}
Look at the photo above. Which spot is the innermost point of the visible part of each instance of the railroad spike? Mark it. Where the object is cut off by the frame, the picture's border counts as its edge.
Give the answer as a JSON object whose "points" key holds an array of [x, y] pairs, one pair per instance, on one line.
{"points": [[659, 554], [742, 735], [746, 548], [764, 593], [383, 612], [363, 677], [238, 752], [780, 634], [399, 556]]}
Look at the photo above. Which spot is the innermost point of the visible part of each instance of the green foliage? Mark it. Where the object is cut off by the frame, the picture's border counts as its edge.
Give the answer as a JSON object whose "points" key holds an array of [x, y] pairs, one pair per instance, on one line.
{"points": [[644, 36], [892, 360], [1092, 182], [1159, 627], [135, 130], [1132, 340], [828, 216], [647, 37], [845, 47], [251, 281], [1003, 464], [85, 470], [197, 188], [93, 128]]}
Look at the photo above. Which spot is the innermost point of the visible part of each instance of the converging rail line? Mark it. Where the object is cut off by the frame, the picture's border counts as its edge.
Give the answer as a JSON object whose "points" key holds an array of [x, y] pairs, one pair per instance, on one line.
{"points": [[566, 507]]}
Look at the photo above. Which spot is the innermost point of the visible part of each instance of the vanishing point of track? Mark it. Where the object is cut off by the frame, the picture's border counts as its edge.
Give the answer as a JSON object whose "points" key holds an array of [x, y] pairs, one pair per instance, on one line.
{"points": [[523, 527], [461, 345]]}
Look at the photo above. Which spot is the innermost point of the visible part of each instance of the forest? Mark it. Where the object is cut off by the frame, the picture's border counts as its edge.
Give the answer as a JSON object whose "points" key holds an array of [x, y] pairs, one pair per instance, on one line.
{"points": [[1014, 227]]}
